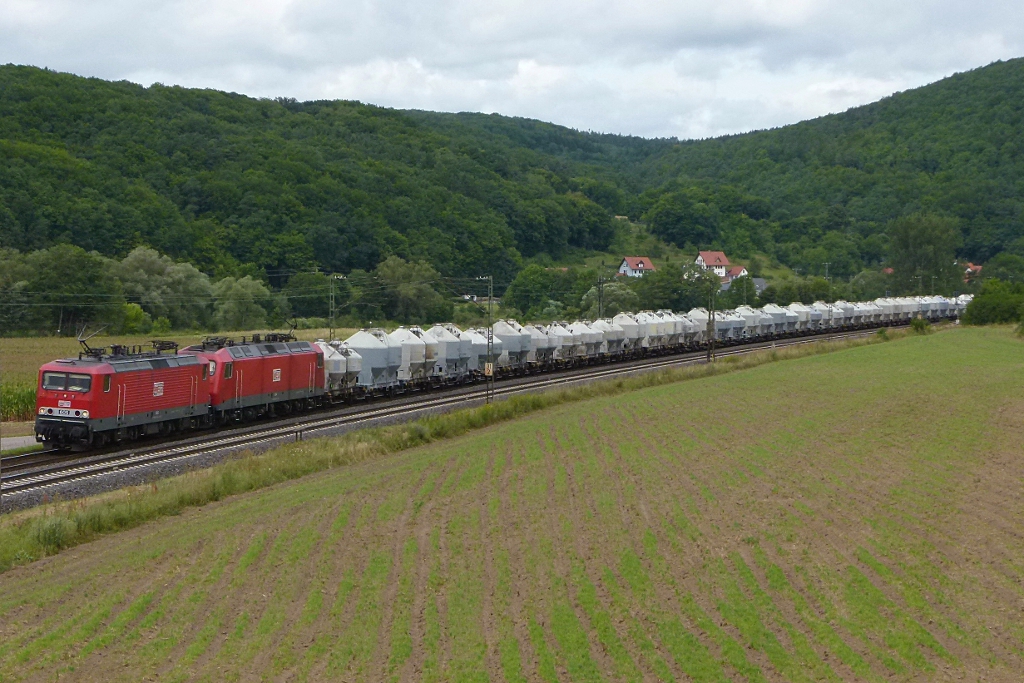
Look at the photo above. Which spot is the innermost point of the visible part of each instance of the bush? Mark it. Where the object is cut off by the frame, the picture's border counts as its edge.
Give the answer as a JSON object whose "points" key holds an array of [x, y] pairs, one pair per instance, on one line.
{"points": [[920, 326], [136, 320], [53, 534], [311, 323], [997, 302]]}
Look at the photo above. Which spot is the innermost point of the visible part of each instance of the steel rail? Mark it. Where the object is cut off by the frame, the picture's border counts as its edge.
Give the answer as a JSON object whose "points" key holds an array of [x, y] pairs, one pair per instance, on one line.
{"points": [[60, 470]]}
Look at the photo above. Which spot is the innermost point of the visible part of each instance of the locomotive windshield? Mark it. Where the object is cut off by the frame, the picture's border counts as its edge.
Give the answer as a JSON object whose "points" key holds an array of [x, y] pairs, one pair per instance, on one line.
{"points": [[80, 383], [62, 381]]}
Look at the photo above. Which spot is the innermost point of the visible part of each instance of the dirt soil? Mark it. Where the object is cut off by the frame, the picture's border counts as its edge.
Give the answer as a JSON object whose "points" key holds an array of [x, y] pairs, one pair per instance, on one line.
{"points": [[855, 516]]}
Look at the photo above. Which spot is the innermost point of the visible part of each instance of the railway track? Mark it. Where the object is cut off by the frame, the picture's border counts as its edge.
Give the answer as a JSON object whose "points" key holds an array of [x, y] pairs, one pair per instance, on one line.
{"points": [[40, 470]]}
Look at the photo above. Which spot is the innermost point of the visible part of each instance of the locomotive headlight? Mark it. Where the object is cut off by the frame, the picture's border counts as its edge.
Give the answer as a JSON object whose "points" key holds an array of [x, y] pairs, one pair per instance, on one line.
{"points": [[42, 411], [85, 414]]}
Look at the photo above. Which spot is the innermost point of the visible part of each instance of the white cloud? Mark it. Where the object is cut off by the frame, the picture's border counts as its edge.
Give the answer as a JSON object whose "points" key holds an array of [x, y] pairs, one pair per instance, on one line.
{"points": [[650, 67]]}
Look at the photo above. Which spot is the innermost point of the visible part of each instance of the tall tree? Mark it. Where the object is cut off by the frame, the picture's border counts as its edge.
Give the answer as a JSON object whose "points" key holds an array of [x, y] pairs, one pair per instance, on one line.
{"points": [[410, 292], [616, 298], [165, 289]]}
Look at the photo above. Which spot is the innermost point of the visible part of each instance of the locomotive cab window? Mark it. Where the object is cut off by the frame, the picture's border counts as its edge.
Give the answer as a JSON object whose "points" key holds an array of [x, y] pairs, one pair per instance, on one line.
{"points": [[80, 383], [229, 369], [213, 368], [106, 384], [55, 381], [205, 369], [319, 360]]}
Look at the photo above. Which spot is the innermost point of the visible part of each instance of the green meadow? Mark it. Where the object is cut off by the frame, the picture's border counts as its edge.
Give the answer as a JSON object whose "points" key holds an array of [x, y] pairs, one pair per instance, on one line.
{"points": [[846, 516]]}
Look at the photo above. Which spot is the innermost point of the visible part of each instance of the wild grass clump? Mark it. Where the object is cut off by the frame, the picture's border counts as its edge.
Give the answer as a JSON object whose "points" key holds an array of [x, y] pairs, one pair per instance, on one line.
{"points": [[17, 402], [49, 529], [920, 326]]}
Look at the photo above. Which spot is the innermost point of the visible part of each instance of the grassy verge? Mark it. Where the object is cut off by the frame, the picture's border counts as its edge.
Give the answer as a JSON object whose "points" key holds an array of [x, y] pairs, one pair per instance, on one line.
{"points": [[23, 450], [30, 535]]}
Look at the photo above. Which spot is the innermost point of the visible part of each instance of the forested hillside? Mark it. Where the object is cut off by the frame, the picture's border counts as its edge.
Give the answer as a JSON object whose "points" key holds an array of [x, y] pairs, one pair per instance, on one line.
{"points": [[264, 189], [223, 180], [955, 148]]}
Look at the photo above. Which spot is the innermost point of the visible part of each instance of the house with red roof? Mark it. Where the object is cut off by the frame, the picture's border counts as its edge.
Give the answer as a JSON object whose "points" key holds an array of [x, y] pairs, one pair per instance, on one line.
{"points": [[635, 266], [715, 260], [735, 272]]}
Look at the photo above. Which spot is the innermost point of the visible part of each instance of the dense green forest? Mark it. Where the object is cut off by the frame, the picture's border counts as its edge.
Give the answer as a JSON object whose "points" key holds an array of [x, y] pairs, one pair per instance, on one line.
{"points": [[955, 148], [261, 192]]}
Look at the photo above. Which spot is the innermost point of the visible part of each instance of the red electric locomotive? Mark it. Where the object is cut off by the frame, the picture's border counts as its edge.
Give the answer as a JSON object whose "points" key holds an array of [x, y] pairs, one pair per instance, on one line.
{"points": [[102, 397], [271, 375]]}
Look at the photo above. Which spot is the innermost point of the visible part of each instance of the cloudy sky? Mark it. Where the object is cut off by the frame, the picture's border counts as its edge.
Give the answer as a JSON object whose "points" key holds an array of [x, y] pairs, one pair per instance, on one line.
{"points": [[643, 67]]}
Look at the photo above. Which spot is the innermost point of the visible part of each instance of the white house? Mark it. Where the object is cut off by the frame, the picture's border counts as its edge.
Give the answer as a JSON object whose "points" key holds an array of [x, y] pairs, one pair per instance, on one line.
{"points": [[715, 260], [735, 272], [635, 266]]}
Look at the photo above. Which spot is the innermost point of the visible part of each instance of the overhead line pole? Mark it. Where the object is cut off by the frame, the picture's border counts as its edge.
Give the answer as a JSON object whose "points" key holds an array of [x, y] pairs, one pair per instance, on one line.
{"points": [[334, 306], [490, 339], [711, 322], [489, 367], [1, 431], [829, 294]]}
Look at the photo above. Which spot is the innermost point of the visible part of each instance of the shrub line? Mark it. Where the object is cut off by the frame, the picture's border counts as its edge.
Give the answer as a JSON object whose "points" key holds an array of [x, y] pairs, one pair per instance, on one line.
{"points": [[46, 530]]}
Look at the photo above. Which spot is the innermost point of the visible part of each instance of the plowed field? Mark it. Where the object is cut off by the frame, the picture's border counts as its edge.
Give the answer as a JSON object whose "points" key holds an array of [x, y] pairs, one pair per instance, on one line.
{"points": [[852, 516]]}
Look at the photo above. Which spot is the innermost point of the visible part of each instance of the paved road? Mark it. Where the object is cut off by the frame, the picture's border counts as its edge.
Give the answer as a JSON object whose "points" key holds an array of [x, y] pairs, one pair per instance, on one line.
{"points": [[12, 442]]}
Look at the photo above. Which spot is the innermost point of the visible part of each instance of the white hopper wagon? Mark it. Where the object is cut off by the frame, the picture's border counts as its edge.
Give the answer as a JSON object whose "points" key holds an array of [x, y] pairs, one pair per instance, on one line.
{"points": [[613, 336], [674, 327], [381, 358], [541, 346], [692, 332], [566, 349], [431, 349], [341, 366], [751, 321], [848, 311], [699, 317], [735, 322], [554, 341], [512, 355], [449, 362], [780, 319], [477, 349], [630, 330], [655, 337], [803, 316], [590, 340], [886, 309], [414, 355], [830, 317]]}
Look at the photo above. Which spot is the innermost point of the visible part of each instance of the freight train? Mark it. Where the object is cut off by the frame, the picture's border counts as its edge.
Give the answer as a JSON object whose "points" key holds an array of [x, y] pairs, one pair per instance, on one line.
{"points": [[109, 396]]}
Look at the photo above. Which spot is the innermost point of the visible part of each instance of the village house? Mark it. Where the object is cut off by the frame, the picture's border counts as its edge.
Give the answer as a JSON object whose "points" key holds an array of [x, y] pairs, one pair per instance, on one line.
{"points": [[735, 272], [635, 266], [715, 260]]}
